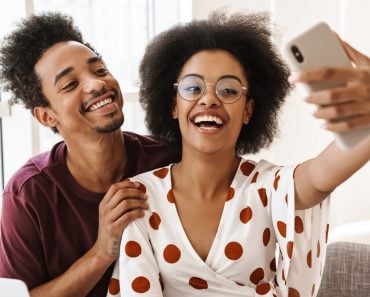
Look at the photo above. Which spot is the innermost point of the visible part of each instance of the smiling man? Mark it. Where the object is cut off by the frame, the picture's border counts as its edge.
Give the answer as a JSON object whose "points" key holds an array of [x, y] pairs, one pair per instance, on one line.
{"points": [[64, 210]]}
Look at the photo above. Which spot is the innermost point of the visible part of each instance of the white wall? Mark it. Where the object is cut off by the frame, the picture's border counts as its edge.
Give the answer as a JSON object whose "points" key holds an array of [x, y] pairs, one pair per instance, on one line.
{"points": [[300, 137]]}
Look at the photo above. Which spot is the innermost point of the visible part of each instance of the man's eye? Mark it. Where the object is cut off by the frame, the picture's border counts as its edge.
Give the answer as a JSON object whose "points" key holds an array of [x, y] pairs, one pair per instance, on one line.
{"points": [[71, 85], [101, 71]]}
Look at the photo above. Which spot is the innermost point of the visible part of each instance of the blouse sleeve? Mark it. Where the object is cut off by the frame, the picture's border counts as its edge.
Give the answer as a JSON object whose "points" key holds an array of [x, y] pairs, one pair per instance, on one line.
{"points": [[301, 236], [137, 269]]}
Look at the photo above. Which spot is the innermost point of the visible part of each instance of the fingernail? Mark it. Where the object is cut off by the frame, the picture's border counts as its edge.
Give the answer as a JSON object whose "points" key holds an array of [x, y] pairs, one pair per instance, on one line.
{"points": [[137, 184]]}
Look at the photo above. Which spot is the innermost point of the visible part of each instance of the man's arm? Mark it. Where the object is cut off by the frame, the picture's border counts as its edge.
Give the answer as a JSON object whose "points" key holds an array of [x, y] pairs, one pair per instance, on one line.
{"points": [[123, 203], [317, 177]]}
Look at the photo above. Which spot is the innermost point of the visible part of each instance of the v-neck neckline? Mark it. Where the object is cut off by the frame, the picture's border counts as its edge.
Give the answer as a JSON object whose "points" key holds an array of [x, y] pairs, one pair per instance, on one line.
{"points": [[215, 242]]}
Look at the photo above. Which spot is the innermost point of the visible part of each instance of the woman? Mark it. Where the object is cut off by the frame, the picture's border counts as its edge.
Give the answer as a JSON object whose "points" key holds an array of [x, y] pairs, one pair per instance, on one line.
{"points": [[213, 89]]}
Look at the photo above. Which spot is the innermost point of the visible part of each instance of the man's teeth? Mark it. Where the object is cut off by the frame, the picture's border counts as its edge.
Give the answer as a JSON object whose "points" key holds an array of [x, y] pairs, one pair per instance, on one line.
{"points": [[208, 118], [100, 104]]}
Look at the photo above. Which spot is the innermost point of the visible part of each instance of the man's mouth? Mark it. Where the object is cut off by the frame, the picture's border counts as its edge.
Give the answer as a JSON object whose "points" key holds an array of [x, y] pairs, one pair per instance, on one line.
{"points": [[100, 104], [208, 121]]}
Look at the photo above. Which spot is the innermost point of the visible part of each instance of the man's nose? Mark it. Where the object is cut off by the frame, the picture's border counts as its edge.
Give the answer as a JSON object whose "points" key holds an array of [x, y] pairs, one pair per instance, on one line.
{"points": [[93, 85], [209, 97]]}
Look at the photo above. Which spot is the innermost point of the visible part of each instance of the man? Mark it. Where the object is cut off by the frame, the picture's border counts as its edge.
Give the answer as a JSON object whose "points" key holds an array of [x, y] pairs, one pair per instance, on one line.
{"points": [[64, 211]]}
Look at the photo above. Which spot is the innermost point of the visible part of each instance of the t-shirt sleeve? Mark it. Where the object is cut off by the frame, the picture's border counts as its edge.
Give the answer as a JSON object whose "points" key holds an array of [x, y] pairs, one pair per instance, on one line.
{"points": [[21, 253], [301, 236], [137, 269]]}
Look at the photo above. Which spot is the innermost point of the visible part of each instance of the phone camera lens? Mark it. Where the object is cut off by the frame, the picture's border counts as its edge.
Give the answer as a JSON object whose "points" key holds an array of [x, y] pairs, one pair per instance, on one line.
{"points": [[297, 53]]}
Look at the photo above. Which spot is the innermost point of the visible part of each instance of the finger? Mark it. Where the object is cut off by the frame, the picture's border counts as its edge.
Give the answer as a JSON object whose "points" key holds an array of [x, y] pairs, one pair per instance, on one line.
{"points": [[355, 56], [332, 74], [354, 92], [128, 217], [349, 125], [339, 111], [118, 186], [124, 194], [127, 206]]}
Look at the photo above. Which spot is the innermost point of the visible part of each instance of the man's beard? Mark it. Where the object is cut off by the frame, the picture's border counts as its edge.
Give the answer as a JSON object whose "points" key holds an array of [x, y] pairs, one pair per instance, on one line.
{"points": [[113, 126]]}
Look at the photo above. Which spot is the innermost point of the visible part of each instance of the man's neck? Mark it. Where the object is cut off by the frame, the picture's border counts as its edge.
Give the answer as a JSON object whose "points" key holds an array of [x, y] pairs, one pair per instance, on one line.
{"points": [[98, 164]]}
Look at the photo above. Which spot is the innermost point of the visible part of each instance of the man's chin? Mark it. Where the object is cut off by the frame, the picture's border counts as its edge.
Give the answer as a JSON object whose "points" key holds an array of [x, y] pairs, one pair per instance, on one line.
{"points": [[112, 127]]}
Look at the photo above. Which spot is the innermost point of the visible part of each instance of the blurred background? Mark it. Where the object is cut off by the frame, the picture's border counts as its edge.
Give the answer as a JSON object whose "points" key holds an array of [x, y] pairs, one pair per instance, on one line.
{"points": [[120, 30]]}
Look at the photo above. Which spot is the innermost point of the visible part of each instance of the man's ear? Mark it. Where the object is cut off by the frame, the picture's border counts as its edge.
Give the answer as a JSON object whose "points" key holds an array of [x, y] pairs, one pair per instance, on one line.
{"points": [[45, 116], [248, 112]]}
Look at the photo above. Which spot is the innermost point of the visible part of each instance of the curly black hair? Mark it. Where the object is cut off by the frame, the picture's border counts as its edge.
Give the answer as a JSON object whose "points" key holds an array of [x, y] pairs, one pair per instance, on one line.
{"points": [[248, 38], [21, 50]]}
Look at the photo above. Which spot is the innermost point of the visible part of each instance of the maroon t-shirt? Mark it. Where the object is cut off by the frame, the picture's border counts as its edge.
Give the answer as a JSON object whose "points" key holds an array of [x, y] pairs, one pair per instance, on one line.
{"points": [[49, 221]]}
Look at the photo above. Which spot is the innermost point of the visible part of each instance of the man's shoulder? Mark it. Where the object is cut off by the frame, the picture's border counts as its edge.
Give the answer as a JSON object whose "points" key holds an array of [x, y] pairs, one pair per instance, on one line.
{"points": [[33, 171], [144, 141]]}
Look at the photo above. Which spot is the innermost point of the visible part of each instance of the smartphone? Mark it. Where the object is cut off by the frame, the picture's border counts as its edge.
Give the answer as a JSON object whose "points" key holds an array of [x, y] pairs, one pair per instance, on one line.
{"points": [[315, 48]]}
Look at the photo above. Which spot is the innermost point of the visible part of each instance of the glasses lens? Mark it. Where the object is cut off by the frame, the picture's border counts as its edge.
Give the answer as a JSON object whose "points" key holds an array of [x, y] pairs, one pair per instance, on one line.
{"points": [[229, 90], [191, 87]]}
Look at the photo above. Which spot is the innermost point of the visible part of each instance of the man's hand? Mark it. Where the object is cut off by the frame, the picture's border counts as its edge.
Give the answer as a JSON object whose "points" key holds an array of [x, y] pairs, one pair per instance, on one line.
{"points": [[123, 203], [343, 108]]}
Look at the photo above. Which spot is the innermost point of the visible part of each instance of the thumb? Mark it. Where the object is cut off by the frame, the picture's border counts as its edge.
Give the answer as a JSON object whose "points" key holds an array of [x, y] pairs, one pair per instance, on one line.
{"points": [[355, 56]]}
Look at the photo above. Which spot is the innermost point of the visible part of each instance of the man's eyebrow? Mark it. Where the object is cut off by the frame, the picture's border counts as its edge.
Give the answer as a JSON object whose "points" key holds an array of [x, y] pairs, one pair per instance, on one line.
{"points": [[62, 73], [95, 59], [91, 60]]}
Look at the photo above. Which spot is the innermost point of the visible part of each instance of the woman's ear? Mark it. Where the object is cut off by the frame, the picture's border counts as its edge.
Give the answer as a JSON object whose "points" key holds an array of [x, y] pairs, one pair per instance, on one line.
{"points": [[175, 114], [248, 112], [45, 116]]}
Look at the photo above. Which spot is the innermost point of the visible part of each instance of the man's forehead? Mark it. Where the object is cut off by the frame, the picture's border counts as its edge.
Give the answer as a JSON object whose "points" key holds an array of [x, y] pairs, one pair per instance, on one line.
{"points": [[62, 55]]}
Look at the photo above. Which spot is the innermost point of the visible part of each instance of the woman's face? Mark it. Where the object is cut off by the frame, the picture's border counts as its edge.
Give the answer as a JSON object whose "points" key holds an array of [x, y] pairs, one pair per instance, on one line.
{"points": [[208, 124]]}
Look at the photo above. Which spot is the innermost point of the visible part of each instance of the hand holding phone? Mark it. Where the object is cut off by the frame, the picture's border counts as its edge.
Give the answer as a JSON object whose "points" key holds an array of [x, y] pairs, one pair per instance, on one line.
{"points": [[318, 50]]}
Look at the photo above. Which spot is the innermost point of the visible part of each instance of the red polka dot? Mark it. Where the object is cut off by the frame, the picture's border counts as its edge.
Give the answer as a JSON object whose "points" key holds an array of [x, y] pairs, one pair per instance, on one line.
{"points": [[155, 221], [254, 178], [171, 253], [276, 182], [289, 248], [327, 233], [247, 168], [113, 286], [171, 196], [230, 194], [309, 259], [263, 289], [198, 283], [132, 249], [257, 275], [233, 250], [246, 214], [161, 173], [142, 188], [266, 236], [273, 265], [293, 293], [298, 224], [263, 196], [318, 249], [282, 228], [140, 284]]}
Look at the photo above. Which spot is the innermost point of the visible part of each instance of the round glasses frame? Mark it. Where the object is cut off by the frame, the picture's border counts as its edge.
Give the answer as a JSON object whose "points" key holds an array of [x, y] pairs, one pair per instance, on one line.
{"points": [[215, 91]]}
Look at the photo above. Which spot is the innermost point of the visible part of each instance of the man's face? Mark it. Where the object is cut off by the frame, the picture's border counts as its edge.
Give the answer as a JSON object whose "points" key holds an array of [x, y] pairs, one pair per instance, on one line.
{"points": [[84, 96]]}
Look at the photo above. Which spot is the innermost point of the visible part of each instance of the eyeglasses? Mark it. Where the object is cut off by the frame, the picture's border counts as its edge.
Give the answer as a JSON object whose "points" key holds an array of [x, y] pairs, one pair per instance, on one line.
{"points": [[192, 87]]}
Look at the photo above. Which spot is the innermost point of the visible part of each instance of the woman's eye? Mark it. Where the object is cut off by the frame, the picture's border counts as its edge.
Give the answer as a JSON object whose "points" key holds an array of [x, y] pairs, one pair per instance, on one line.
{"points": [[228, 92], [193, 89]]}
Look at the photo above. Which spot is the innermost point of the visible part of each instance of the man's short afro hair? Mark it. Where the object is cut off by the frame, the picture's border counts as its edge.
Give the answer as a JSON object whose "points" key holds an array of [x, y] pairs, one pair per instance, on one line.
{"points": [[248, 38], [22, 48]]}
